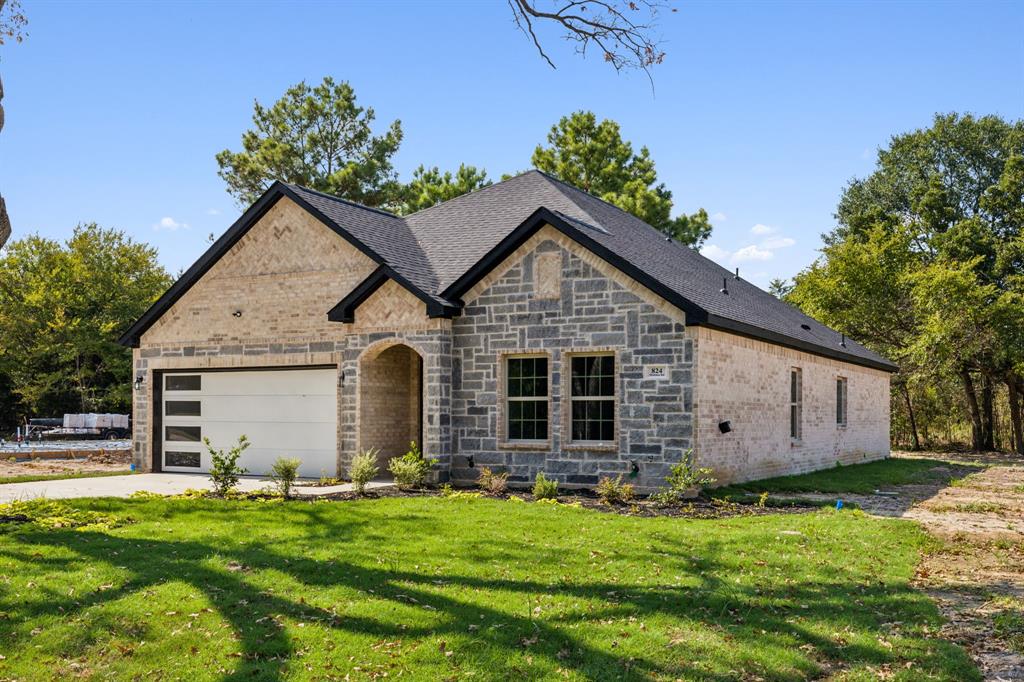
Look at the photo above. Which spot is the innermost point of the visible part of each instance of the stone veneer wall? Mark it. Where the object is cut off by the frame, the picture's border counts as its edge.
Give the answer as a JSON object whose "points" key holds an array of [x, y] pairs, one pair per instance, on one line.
{"points": [[746, 381], [599, 309]]}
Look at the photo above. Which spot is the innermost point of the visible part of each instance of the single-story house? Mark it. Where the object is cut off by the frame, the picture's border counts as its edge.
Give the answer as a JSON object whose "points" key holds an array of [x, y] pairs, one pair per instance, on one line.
{"points": [[528, 326]]}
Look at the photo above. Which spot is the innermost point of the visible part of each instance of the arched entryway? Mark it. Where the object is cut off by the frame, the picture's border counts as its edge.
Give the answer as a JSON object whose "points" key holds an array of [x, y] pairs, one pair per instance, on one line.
{"points": [[390, 400]]}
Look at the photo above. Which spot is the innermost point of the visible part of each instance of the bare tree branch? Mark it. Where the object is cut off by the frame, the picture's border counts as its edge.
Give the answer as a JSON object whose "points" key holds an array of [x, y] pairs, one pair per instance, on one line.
{"points": [[621, 29]]}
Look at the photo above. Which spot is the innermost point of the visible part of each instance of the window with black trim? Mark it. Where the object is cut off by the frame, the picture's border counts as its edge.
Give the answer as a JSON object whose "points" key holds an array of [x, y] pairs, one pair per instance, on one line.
{"points": [[183, 382], [593, 398], [183, 408], [796, 403], [526, 395], [841, 403], [188, 434], [181, 459]]}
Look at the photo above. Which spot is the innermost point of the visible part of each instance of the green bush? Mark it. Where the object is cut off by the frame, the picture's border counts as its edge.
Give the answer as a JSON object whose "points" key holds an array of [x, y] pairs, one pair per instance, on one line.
{"points": [[363, 469], [613, 490], [411, 469], [225, 470], [283, 473], [491, 482], [683, 478], [544, 488]]}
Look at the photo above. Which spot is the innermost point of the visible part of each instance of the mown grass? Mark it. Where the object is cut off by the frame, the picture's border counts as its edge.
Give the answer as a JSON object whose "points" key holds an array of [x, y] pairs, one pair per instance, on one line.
{"points": [[855, 478], [29, 478], [435, 589]]}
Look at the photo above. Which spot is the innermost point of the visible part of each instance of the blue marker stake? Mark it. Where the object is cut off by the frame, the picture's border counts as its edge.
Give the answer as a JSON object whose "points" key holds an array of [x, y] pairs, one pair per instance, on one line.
{"points": [[839, 504]]}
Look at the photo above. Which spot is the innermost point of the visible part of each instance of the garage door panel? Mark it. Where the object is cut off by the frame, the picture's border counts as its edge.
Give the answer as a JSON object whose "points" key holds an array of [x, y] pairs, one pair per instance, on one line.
{"points": [[283, 413], [280, 409]]}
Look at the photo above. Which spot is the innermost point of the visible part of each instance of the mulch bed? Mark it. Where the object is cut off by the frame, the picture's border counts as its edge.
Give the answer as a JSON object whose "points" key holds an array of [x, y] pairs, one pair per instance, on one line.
{"points": [[697, 508]]}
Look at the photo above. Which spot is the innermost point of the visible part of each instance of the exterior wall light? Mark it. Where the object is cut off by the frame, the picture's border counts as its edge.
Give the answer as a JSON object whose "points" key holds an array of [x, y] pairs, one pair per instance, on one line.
{"points": [[725, 426], [237, 313], [139, 381]]}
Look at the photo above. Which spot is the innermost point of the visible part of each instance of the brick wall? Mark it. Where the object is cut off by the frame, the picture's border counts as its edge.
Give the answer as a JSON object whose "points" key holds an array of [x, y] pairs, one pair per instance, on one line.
{"points": [[746, 382], [597, 309], [389, 401]]}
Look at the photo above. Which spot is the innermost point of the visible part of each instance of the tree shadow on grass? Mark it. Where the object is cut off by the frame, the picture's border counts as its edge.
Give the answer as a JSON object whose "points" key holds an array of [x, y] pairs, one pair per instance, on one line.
{"points": [[744, 618]]}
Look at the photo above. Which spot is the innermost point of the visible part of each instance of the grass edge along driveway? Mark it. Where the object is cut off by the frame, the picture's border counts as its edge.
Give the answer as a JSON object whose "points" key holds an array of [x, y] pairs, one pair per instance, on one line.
{"points": [[437, 588]]}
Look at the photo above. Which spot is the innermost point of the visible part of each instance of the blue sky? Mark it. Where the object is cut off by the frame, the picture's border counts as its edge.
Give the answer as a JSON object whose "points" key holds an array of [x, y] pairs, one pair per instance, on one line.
{"points": [[762, 111]]}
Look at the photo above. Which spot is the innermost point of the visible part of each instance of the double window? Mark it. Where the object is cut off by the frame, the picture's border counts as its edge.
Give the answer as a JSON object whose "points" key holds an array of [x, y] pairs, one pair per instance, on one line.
{"points": [[590, 394], [593, 398], [527, 394]]}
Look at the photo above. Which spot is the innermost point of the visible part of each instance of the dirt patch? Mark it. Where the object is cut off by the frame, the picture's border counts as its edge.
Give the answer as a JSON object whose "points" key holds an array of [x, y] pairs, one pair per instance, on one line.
{"points": [[98, 462]]}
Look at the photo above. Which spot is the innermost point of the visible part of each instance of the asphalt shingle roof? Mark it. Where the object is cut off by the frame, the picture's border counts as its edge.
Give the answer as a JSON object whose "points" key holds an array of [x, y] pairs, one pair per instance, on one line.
{"points": [[433, 248]]}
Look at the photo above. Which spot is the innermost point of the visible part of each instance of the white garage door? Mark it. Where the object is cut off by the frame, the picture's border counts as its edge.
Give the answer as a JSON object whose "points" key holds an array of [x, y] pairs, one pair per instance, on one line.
{"points": [[284, 413]]}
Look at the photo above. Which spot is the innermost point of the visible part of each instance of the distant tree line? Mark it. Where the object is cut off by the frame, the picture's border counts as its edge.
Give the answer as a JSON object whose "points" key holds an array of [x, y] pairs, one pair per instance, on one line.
{"points": [[926, 265]]}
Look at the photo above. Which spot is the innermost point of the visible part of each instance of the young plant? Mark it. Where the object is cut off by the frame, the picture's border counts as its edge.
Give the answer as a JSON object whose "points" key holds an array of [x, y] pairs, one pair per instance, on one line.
{"points": [[683, 478], [411, 469], [544, 488], [613, 490], [225, 471], [283, 473], [491, 482], [363, 469]]}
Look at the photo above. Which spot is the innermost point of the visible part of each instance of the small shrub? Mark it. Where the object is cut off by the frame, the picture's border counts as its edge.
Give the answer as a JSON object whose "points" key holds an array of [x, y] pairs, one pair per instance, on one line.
{"points": [[683, 477], [491, 482], [363, 469], [411, 469], [283, 473], [544, 488], [613, 490], [762, 500], [225, 470]]}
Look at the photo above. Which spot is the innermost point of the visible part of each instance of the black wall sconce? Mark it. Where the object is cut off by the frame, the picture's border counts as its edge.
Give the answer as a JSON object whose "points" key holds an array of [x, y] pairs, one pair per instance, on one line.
{"points": [[237, 313], [470, 462], [725, 426], [138, 381]]}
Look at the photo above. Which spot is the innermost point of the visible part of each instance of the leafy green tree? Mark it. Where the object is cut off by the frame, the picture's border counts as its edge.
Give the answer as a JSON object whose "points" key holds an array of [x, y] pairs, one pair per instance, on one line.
{"points": [[780, 288], [593, 156], [430, 186], [62, 309], [925, 263], [318, 137]]}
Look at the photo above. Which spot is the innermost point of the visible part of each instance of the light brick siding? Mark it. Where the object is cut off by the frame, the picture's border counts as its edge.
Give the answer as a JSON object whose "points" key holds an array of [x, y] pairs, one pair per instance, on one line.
{"points": [[389, 401], [746, 382], [598, 309], [284, 275]]}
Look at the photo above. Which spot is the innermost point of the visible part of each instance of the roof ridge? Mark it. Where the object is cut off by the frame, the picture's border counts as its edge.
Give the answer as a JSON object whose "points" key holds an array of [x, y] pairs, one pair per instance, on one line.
{"points": [[474, 192], [340, 200]]}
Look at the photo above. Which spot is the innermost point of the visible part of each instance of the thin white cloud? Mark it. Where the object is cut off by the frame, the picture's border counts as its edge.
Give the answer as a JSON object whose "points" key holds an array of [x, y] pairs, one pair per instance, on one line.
{"points": [[719, 217], [777, 243], [213, 211], [751, 253], [762, 229], [170, 224], [715, 253]]}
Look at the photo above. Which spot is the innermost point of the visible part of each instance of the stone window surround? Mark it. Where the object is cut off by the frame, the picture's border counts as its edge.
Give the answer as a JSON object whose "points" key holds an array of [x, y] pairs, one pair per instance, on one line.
{"points": [[503, 442], [567, 442]]}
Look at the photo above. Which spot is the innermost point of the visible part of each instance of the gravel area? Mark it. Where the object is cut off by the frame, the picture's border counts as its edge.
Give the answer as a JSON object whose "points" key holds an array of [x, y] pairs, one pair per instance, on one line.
{"points": [[26, 450]]}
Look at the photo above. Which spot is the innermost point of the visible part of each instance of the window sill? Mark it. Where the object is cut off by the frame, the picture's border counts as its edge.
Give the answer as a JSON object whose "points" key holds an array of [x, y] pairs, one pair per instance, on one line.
{"points": [[603, 445], [535, 445], [795, 442], [841, 427]]}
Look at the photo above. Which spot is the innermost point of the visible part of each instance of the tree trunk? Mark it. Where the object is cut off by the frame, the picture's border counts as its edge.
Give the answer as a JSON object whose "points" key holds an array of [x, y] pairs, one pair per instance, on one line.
{"points": [[988, 439], [1016, 419], [972, 403], [910, 416]]}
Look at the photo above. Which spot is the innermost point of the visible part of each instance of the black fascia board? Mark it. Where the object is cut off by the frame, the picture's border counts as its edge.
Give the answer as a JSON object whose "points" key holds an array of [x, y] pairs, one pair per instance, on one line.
{"points": [[344, 311]]}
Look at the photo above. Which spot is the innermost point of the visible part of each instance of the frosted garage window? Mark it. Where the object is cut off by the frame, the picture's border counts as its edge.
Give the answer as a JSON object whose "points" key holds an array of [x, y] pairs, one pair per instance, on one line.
{"points": [[188, 434], [183, 382], [182, 408], [181, 459]]}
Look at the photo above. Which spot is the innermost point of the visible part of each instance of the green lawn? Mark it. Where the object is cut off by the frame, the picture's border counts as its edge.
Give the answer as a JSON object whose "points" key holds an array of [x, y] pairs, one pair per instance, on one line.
{"points": [[28, 478], [436, 588], [855, 478]]}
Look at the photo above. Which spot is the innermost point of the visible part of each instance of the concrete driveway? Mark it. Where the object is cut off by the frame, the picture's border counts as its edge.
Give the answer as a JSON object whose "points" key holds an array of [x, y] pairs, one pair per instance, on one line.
{"points": [[164, 484]]}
